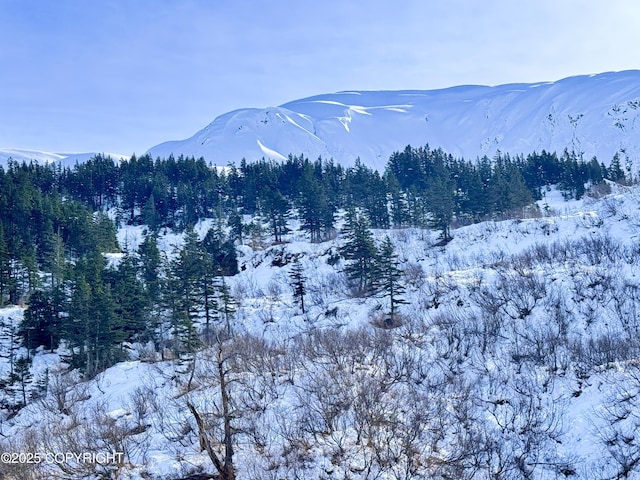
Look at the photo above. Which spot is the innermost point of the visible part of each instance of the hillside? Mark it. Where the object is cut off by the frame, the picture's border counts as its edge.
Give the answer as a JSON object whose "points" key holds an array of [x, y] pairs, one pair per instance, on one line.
{"points": [[595, 115], [515, 356]]}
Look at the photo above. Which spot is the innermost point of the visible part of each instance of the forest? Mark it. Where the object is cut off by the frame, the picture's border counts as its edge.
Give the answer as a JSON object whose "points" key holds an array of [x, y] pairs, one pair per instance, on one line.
{"points": [[95, 299], [56, 225]]}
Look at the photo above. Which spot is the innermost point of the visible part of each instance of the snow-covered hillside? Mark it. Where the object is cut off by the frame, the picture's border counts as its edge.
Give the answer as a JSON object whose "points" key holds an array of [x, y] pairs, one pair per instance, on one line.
{"points": [[592, 115], [515, 357]]}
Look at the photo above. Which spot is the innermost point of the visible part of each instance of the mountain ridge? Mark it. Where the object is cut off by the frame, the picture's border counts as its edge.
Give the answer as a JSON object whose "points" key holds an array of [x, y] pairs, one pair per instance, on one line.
{"points": [[593, 115], [64, 159]]}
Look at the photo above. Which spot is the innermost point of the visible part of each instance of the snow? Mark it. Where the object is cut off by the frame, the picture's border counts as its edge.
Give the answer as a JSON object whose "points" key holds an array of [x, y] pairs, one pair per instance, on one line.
{"points": [[594, 115], [466, 271], [270, 153], [64, 159]]}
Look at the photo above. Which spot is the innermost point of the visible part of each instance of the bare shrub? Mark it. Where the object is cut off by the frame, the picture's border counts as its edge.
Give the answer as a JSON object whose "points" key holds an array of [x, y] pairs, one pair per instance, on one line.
{"points": [[324, 287], [599, 190], [414, 274], [26, 442], [626, 304], [65, 391], [612, 206], [520, 292], [617, 429], [599, 249], [524, 426]]}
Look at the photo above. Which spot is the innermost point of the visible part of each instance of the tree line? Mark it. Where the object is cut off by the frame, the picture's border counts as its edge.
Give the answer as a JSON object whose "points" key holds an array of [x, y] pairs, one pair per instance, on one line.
{"points": [[56, 224]]}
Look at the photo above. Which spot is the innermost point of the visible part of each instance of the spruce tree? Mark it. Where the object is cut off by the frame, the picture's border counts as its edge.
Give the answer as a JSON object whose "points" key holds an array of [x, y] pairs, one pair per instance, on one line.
{"points": [[234, 222], [360, 253], [150, 266], [41, 324], [316, 210], [275, 208], [226, 304], [298, 281], [440, 202], [389, 280], [5, 268], [131, 303], [187, 285]]}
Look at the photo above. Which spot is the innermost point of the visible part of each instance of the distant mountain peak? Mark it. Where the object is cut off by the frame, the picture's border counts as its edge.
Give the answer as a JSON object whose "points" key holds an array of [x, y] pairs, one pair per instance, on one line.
{"points": [[21, 155], [593, 115]]}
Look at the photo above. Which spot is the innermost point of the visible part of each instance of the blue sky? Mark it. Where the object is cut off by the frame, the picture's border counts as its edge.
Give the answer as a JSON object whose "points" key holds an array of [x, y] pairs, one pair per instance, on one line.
{"points": [[124, 75]]}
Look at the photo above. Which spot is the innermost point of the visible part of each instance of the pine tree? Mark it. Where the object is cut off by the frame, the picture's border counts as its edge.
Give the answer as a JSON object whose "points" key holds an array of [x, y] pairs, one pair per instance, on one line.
{"points": [[6, 278], [360, 252], [275, 208], [150, 214], [400, 215], [91, 328], [389, 281], [615, 173], [22, 378], [440, 202], [376, 204], [316, 211], [234, 222], [150, 266], [104, 232], [41, 323], [226, 304], [298, 281], [76, 328], [51, 254], [187, 285], [131, 303]]}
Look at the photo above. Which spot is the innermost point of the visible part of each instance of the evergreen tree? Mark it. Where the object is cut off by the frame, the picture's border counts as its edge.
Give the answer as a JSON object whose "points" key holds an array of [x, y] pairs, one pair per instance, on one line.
{"points": [[389, 280], [234, 221], [440, 204], [225, 302], [51, 254], [21, 379], [317, 212], [275, 208], [104, 232], [376, 203], [150, 266], [92, 329], [298, 281], [187, 285], [19, 375], [131, 303], [360, 252], [6, 277], [615, 173], [76, 328], [222, 251], [41, 324], [400, 215], [150, 214]]}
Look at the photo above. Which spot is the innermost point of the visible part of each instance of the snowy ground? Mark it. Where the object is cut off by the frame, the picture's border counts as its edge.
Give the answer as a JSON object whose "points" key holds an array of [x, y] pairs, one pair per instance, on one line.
{"points": [[515, 330]]}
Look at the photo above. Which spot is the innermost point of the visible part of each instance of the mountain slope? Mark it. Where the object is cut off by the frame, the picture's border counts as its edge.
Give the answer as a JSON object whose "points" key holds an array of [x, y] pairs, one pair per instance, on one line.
{"points": [[517, 352], [64, 159], [593, 115]]}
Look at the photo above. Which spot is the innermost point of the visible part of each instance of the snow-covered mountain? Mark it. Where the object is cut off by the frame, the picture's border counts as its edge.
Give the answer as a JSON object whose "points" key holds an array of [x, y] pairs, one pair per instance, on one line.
{"points": [[593, 115], [65, 159]]}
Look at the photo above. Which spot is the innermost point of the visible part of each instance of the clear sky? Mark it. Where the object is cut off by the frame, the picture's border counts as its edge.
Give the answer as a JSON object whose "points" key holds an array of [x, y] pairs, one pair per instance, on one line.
{"points": [[124, 75]]}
